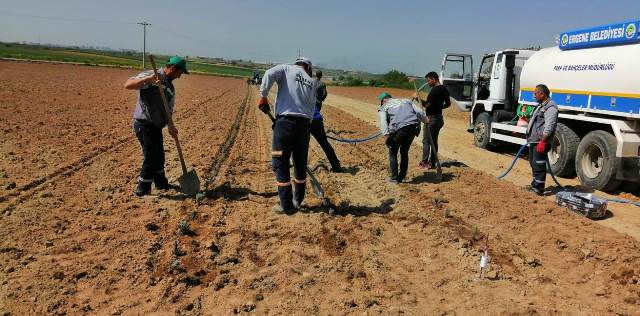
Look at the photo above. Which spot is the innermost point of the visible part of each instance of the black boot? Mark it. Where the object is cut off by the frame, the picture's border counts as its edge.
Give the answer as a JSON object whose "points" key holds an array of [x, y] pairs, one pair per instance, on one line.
{"points": [[401, 175], [298, 195], [286, 199], [143, 188], [161, 182]]}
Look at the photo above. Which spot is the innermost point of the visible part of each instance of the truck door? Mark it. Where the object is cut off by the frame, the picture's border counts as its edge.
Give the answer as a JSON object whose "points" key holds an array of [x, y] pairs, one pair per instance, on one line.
{"points": [[457, 76]]}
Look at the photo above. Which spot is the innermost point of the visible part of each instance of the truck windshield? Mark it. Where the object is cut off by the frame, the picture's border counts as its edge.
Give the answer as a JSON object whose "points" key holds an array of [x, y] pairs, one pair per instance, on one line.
{"points": [[484, 78], [486, 68]]}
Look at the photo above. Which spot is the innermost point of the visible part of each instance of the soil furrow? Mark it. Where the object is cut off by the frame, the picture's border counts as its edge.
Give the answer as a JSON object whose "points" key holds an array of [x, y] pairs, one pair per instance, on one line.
{"points": [[223, 151]]}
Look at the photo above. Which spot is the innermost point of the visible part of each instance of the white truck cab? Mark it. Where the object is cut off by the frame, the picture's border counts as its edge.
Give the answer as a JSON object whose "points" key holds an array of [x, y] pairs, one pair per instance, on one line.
{"points": [[592, 75]]}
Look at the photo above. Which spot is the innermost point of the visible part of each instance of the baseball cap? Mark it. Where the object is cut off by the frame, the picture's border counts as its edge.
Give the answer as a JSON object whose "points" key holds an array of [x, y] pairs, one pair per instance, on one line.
{"points": [[304, 60], [384, 95], [179, 62]]}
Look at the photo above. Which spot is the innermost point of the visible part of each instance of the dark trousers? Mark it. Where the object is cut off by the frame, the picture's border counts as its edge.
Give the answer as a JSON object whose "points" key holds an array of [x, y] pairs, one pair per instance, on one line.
{"points": [[400, 141], [317, 131], [538, 164], [437, 122], [290, 139], [150, 137]]}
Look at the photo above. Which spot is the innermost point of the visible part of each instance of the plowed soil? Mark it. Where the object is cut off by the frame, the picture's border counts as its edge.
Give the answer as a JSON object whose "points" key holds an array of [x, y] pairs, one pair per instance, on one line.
{"points": [[79, 242], [457, 143]]}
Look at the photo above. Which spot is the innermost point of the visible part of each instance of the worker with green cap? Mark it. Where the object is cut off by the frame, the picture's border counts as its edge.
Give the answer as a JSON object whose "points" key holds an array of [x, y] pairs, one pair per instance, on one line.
{"points": [[149, 119], [400, 124]]}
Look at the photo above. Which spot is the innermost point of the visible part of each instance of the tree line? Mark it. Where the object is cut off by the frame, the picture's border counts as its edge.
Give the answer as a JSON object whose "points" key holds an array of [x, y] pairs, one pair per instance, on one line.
{"points": [[392, 79]]}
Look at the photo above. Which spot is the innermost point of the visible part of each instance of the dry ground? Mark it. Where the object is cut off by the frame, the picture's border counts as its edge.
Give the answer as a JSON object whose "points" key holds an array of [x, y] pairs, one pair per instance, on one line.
{"points": [[458, 144], [74, 240]]}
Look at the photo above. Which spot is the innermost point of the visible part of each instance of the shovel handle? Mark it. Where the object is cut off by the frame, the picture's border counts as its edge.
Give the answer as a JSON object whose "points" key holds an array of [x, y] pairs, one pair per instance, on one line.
{"points": [[165, 105], [182, 163]]}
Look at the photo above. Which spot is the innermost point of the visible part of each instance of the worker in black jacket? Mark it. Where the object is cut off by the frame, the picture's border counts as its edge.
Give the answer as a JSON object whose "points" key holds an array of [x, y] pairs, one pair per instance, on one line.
{"points": [[317, 125], [437, 100]]}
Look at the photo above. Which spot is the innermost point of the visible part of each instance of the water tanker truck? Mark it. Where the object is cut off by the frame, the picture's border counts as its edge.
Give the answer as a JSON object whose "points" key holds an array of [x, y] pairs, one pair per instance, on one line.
{"points": [[593, 77]]}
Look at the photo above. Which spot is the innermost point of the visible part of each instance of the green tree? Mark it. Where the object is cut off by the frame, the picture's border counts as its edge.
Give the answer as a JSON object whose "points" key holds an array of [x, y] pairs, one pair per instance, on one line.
{"points": [[396, 79], [353, 81]]}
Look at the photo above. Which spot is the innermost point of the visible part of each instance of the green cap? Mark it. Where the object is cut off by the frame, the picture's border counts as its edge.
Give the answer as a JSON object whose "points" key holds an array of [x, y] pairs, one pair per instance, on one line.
{"points": [[384, 95], [179, 62]]}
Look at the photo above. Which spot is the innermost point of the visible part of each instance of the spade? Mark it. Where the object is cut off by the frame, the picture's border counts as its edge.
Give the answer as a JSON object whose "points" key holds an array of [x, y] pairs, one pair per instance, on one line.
{"points": [[189, 181]]}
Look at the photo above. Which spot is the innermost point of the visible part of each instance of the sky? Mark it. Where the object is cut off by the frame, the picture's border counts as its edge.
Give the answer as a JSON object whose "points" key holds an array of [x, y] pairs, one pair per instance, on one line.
{"points": [[375, 36]]}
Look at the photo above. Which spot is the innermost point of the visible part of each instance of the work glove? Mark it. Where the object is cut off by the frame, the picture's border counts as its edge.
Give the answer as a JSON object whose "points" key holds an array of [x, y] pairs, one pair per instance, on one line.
{"points": [[542, 145], [263, 105]]}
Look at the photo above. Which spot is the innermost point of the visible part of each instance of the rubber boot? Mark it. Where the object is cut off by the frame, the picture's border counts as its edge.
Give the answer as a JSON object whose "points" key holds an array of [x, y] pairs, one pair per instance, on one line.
{"points": [[286, 198], [161, 182], [143, 188], [298, 194]]}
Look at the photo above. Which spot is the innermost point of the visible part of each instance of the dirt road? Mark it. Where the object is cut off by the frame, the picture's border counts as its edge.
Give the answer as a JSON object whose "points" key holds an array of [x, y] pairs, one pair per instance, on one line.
{"points": [[79, 242]]}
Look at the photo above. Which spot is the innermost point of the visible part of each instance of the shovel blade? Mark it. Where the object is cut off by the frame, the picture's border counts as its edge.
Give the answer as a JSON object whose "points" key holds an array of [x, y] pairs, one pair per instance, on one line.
{"points": [[315, 185], [189, 183]]}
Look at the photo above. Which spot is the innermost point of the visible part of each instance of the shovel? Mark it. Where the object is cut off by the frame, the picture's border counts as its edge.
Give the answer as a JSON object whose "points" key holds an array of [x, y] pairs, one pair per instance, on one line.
{"points": [[433, 147], [315, 184], [189, 181]]}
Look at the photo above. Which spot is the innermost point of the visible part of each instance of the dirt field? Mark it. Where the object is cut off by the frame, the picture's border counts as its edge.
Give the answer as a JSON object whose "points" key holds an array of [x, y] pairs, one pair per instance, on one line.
{"points": [[77, 241], [458, 144]]}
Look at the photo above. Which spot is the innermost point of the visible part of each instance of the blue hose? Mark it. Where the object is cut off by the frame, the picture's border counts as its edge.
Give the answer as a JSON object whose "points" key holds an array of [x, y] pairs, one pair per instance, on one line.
{"points": [[553, 176], [513, 163], [354, 141]]}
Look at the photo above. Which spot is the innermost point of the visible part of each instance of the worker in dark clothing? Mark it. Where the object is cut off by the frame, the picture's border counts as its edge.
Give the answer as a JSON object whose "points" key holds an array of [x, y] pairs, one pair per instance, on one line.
{"points": [[317, 125], [291, 129], [150, 118], [437, 100], [541, 128], [400, 123]]}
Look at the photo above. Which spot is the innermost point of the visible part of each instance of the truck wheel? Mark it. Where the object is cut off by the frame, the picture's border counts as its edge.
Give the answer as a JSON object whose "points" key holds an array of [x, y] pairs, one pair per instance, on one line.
{"points": [[563, 151], [596, 161], [482, 130]]}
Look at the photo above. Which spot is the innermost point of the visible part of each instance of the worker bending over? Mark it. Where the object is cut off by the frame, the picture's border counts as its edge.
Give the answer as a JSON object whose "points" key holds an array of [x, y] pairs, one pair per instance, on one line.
{"points": [[400, 123], [294, 110]]}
